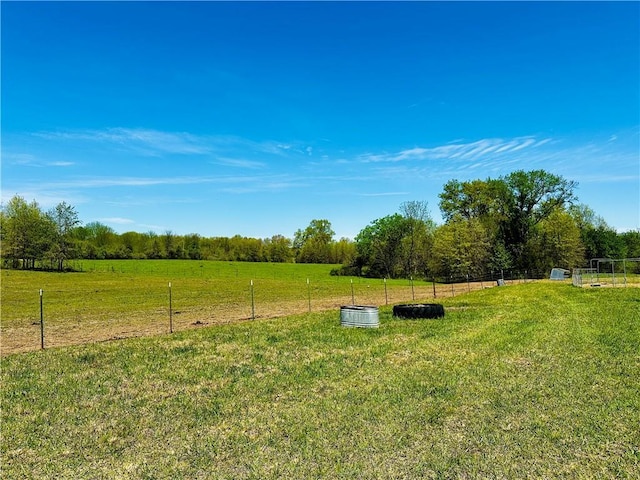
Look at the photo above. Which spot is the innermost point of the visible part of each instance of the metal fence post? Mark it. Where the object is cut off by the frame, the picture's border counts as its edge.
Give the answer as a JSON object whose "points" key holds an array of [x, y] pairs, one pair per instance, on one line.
{"points": [[41, 322], [253, 307], [386, 297], [170, 311]]}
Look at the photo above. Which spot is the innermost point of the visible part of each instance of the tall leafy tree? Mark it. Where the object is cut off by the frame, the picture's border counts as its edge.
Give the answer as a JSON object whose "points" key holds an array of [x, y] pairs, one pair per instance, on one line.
{"points": [[65, 218], [461, 247], [600, 240], [343, 251], [419, 227], [278, 249], [27, 233], [192, 246], [533, 196], [313, 244], [480, 199], [379, 246], [509, 207], [604, 242], [632, 241], [97, 240], [556, 242]]}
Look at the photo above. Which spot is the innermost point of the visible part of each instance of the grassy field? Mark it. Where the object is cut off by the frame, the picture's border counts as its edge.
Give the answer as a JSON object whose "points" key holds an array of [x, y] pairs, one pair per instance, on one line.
{"points": [[536, 380], [120, 299]]}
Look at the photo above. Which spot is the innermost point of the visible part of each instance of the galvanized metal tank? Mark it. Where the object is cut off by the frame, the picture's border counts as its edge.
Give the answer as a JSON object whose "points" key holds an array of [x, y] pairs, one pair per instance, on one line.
{"points": [[365, 316]]}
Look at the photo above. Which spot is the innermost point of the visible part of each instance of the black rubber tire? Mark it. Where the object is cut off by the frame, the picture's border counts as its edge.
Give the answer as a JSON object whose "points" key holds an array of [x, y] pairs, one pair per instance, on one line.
{"points": [[419, 310]]}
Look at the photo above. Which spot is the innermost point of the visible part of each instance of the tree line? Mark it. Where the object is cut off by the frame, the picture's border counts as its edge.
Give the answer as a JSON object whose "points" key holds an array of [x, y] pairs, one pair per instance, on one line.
{"points": [[32, 238], [527, 221]]}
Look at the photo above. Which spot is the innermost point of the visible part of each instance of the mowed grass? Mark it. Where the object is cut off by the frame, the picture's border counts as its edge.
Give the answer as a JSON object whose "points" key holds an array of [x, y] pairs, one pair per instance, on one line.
{"points": [[537, 380]]}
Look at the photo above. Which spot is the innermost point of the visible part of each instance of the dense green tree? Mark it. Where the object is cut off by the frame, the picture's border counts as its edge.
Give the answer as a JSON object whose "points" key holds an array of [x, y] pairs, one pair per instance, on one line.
{"points": [[343, 251], [499, 258], [509, 207], [556, 242], [313, 244], [192, 246], [631, 240], [97, 240], [65, 219], [585, 217], [379, 247], [278, 249], [417, 240], [533, 196], [27, 233], [461, 248], [135, 244], [172, 246], [604, 242], [154, 249], [397, 245], [599, 239], [480, 199], [245, 249]]}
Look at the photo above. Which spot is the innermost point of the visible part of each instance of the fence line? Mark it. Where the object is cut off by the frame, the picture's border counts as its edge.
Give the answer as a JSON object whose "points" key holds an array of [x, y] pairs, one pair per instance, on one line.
{"points": [[76, 316]]}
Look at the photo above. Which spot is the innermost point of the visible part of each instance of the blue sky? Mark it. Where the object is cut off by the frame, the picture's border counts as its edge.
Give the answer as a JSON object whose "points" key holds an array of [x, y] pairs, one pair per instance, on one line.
{"points": [[225, 118]]}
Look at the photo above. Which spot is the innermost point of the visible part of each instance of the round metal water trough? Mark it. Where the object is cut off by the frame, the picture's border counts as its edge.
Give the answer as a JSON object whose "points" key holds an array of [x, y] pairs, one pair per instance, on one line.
{"points": [[359, 316]]}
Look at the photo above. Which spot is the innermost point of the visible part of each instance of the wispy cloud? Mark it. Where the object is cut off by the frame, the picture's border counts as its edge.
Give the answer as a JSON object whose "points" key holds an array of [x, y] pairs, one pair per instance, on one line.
{"points": [[25, 159], [31, 160], [383, 194], [238, 162], [457, 151], [238, 166], [105, 182], [226, 150], [61, 164], [117, 220], [143, 141], [590, 160], [608, 178], [229, 183]]}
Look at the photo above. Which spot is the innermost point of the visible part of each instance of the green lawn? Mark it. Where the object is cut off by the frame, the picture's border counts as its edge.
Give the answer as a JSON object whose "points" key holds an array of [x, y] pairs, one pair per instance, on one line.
{"points": [[536, 380], [110, 299]]}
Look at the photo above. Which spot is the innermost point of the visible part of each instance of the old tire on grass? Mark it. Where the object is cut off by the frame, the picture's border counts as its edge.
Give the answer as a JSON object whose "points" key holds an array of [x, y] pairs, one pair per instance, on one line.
{"points": [[419, 310]]}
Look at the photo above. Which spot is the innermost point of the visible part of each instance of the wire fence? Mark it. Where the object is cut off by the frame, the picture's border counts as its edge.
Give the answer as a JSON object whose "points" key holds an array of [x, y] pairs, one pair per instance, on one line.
{"points": [[110, 309]]}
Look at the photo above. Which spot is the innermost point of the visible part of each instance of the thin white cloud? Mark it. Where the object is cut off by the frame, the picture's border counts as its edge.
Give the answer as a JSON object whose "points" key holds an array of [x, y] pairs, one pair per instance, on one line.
{"points": [[46, 198], [607, 178], [597, 159], [238, 162], [117, 220], [152, 227], [383, 194], [104, 182], [19, 158], [264, 186], [144, 141], [231, 183], [30, 160], [235, 151], [457, 151], [527, 143], [61, 164]]}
